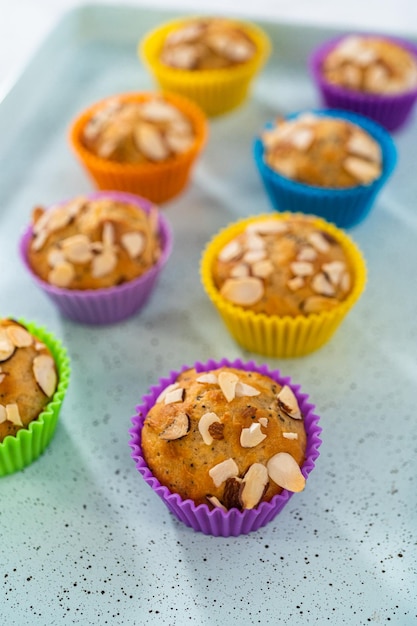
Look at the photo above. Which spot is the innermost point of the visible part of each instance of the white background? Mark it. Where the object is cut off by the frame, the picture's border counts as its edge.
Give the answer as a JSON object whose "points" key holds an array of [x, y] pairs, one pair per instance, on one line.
{"points": [[25, 23]]}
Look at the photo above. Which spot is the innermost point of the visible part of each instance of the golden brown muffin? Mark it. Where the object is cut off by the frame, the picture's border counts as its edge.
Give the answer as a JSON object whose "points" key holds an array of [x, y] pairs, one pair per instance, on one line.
{"points": [[371, 64], [227, 437], [322, 151], [28, 377], [138, 132], [206, 44], [93, 243], [283, 267]]}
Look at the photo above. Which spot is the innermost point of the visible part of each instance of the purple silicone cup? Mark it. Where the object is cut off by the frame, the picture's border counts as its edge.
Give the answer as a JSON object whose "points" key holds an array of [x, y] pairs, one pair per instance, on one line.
{"points": [[201, 518], [391, 111], [111, 304]]}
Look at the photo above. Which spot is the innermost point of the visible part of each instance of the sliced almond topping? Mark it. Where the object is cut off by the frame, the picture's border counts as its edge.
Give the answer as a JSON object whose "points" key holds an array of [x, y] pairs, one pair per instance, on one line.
{"points": [[364, 171], [361, 145], [157, 110], [3, 414], [209, 378], [243, 390], [254, 242], [149, 141], [184, 57], [77, 249], [2, 377], [41, 219], [262, 269], [253, 256], [103, 263], [263, 421], [224, 470], [307, 253], [13, 415], [167, 389], [60, 217], [254, 485], [19, 336], [240, 270], [178, 428], [39, 241], [216, 502], [228, 382], [322, 285], [55, 257], [62, 274], [108, 235], [290, 435], [133, 243], [252, 436], [302, 138], [316, 304], [295, 283], [287, 401], [179, 143], [204, 423], [267, 227], [243, 291], [302, 268], [176, 395], [334, 271], [283, 469], [7, 346], [319, 242], [45, 373], [345, 282], [230, 251]]}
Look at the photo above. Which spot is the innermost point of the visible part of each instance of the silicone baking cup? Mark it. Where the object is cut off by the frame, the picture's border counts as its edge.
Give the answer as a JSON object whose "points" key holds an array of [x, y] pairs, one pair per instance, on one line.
{"points": [[272, 335], [216, 521], [343, 207], [159, 181], [391, 111], [215, 91], [110, 304], [19, 451]]}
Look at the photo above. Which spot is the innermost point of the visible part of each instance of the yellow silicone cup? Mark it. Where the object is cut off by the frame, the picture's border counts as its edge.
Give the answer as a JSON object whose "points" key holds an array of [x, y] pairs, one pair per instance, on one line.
{"points": [[158, 182], [216, 91], [19, 451], [272, 335]]}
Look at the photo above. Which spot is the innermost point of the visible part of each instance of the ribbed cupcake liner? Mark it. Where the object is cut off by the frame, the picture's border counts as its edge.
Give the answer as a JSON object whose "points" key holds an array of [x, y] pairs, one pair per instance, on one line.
{"points": [[218, 522], [111, 304], [272, 335], [392, 111], [19, 451], [158, 182], [215, 91], [344, 207]]}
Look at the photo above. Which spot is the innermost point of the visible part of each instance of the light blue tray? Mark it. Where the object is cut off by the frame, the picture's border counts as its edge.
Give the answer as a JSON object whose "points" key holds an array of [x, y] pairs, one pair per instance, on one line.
{"points": [[84, 539]]}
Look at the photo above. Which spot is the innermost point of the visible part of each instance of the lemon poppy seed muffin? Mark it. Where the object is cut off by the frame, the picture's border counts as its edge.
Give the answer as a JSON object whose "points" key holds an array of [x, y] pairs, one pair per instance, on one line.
{"points": [[226, 437], [28, 377]]}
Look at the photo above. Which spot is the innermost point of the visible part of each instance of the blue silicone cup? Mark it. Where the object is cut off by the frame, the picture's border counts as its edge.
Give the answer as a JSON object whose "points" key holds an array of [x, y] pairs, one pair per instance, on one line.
{"points": [[343, 207]]}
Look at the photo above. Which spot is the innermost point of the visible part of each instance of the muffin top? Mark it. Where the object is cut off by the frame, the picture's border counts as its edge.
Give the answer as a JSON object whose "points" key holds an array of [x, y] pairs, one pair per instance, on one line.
{"points": [[93, 243], [207, 44], [322, 151], [150, 131], [283, 267], [227, 437], [28, 377], [371, 64]]}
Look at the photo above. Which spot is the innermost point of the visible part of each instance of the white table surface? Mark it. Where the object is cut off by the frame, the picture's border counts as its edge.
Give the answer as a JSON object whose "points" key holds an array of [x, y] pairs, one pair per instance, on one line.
{"points": [[25, 23]]}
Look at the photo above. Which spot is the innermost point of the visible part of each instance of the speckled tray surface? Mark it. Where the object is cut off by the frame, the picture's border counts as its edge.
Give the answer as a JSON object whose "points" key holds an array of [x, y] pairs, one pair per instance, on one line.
{"points": [[84, 539]]}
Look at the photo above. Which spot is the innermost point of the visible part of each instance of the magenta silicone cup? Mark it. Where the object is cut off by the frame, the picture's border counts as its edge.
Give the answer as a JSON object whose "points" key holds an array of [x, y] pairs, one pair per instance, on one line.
{"points": [[391, 111], [111, 304], [201, 518]]}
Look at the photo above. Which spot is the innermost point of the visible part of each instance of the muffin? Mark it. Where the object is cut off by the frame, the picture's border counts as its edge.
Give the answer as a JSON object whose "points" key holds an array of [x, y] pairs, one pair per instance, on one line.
{"points": [[282, 283], [327, 163], [97, 256], [144, 143], [371, 74], [211, 60], [225, 444], [34, 376]]}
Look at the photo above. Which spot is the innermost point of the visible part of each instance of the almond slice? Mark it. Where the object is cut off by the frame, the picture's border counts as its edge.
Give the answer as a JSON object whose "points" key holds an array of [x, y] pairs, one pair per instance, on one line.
{"points": [[295, 283], [254, 242], [364, 171], [179, 143], [284, 470], [178, 428], [176, 395], [302, 138], [39, 240], [222, 471], [45, 373], [263, 421], [244, 291], [345, 282], [77, 249], [361, 145], [253, 256], [133, 243], [243, 390], [240, 270], [3, 414], [262, 269], [216, 502], [287, 401], [318, 242], [252, 436], [322, 285], [19, 336], [334, 271], [230, 251], [167, 389], [60, 217], [62, 274], [55, 257], [290, 435], [267, 227], [307, 253], [13, 415], [228, 382], [157, 110], [316, 304], [150, 142], [7, 346], [103, 264], [302, 268], [2, 377], [209, 378], [204, 423], [255, 483]]}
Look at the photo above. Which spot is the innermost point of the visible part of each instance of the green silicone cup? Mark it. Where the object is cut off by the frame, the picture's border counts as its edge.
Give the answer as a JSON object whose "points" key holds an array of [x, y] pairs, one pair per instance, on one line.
{"points": [[19, 451]]}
